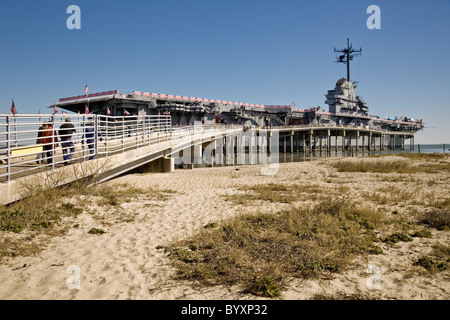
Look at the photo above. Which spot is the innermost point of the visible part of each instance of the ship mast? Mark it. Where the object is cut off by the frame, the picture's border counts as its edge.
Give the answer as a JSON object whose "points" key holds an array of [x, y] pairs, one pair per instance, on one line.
{"points": [[348, 55]]}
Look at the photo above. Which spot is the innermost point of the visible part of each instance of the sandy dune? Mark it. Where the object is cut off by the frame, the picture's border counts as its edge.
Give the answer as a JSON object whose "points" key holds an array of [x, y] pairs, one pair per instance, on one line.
{"points": [[124, 263]]}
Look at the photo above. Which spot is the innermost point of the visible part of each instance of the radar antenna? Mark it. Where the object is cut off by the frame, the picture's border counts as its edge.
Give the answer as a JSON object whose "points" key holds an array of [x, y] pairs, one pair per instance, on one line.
{"points": [[348, 55]]}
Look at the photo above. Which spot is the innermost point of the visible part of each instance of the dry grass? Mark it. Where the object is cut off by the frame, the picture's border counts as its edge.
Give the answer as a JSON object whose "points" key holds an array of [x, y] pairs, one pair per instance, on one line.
{"points": [[44, 212], [437, 260], [437, 218], [260, 252], [375, 166], [429, 163], [282, 193]]}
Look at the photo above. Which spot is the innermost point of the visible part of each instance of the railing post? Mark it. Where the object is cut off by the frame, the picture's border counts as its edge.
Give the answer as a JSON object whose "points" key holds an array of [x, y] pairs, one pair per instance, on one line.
{"points": [[143, 130], [53, 143], [106, 136], [159, 128], [84, 138], [123, 134], [96, 122], [8, 147], [137, 132]]}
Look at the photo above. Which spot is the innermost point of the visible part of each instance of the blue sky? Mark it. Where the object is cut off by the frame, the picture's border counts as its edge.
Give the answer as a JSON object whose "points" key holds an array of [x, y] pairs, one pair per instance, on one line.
{"points": [[255, 51]]}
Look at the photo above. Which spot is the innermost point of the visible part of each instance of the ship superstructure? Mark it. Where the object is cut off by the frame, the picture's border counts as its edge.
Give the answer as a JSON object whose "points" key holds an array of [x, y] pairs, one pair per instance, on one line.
{"points": [[345, 108]]}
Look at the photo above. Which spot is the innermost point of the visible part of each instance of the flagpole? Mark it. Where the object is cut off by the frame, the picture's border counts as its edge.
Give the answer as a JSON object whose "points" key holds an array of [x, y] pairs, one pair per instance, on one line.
{"points": [[86, 90], [106, 131], [14, 112], [15, 130]]}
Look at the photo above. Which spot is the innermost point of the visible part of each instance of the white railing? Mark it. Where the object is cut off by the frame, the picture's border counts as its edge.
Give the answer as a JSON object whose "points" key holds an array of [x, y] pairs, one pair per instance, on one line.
{"points": [[26, 147], [25, 150]]}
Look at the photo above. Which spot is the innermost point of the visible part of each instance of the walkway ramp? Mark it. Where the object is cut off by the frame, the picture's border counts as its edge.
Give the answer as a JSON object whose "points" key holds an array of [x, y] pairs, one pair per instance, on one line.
{"points": [[126, 144]]}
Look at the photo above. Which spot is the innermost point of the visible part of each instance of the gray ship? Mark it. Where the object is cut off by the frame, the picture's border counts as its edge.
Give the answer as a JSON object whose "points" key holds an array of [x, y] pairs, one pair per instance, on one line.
{"points": [[345, 108]]}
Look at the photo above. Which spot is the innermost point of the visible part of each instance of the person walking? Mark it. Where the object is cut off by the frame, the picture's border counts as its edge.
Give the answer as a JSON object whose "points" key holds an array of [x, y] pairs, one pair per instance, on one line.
{"points": [[65, 133], [49, 141], [41, 156], [89, 138]]}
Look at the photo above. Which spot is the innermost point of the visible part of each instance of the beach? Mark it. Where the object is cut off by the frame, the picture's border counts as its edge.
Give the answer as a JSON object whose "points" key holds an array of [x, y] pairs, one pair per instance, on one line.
{"points": [[125, 260]]}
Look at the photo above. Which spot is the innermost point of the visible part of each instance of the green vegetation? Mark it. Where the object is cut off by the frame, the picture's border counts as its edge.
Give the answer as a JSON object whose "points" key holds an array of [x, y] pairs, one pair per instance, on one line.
{"points": [[261, 251], [375, 166], [431, 163], [397, 237], [438, 260], [424, 233], [437, 218], [280, 193], [96, 231], [44, 211]]}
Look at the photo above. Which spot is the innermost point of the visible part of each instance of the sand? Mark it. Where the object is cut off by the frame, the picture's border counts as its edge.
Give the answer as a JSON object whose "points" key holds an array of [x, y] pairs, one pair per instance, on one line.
{"points": [[124, 262]]}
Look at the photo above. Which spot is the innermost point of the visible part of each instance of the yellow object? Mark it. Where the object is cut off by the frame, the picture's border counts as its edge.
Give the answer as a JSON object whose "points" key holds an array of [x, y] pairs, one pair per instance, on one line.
{"points": [[26, 150]]}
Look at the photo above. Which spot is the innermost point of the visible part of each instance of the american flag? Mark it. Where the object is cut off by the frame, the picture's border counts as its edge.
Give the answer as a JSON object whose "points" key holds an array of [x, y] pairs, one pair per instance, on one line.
{"points": [[55, 109], [108, 112], [13, 108], [125, 112], [86, 109], [86, 89]]}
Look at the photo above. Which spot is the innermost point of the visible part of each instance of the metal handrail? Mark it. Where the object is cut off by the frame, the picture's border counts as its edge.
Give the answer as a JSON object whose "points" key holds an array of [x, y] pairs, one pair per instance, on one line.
{"points": [[22, 151]]}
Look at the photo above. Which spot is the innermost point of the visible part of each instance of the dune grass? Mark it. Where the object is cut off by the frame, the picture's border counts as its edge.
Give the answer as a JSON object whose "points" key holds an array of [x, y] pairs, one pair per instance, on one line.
{"points": [[430, 163], [43, 212], [437, 260], [261, 251], [280, 193]]}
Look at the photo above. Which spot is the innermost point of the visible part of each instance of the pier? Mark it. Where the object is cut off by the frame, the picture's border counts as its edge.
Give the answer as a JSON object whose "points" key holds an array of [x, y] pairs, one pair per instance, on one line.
{"points": [[153, 144], [327, 139]]}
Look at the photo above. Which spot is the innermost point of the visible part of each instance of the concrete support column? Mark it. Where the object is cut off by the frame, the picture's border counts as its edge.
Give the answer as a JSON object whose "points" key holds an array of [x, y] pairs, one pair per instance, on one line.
{"points": [[253, 148], [269, 136], [219, 153], [328, 141], [292, 141], [240, 149], [357, 138], [230, 143], [350, 140], [343, 140], [336, 142], [320, 141], [304, 142], [197, 152], [160, 165]]}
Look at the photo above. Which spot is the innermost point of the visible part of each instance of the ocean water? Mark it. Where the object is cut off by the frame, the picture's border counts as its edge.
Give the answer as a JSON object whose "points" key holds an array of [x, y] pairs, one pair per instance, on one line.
{"points": [[300, 156], [433, 148]]}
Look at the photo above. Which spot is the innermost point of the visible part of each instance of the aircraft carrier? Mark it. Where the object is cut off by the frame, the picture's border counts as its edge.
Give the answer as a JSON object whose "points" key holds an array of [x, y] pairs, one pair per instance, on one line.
{"points": [[345, 108]]}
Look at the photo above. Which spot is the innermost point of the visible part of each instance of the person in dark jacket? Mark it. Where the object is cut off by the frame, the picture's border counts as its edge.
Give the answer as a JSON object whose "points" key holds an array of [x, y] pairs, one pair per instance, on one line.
{"points": [[40, 158], [89, 138], [65, 133]]}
